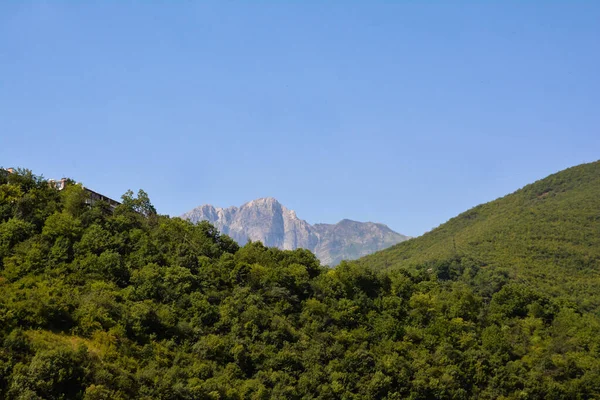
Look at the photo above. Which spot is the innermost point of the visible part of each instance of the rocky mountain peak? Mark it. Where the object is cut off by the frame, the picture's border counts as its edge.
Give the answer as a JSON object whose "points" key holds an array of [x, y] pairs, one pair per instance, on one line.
{"points": [[262, 202], [270, 222]]}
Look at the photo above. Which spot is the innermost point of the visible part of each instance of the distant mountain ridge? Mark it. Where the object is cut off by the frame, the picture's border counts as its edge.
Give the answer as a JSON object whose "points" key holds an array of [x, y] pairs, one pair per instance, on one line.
{"points": [[270, 222]]}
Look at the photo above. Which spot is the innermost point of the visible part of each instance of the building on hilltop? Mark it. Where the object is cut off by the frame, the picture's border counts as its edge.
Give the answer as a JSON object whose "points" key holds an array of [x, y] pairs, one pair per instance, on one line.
{"points": [[95, 196], [92, 196], [58, 185]]}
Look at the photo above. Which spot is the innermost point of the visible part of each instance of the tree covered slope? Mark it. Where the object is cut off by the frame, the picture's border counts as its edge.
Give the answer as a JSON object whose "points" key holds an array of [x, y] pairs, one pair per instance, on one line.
{"points": [[129, 304], [546, 234]]}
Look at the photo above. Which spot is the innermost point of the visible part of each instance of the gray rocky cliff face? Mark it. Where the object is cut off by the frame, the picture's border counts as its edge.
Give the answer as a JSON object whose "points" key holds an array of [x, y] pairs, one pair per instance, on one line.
{"points": [[270, 222]]}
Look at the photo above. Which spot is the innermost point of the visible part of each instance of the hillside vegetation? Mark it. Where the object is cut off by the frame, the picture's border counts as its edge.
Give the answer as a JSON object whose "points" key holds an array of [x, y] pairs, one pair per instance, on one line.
{"points": [[129, 304], [546, 235]]}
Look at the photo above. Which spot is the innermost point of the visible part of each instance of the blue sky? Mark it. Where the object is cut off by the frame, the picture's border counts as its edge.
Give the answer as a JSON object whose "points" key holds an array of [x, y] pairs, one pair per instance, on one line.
{"points": [[405, 113]]}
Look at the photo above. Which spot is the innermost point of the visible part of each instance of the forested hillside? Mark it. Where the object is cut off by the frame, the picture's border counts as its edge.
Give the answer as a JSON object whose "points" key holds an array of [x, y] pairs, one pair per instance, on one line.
{"points": [[130, 304], [546, 235]]}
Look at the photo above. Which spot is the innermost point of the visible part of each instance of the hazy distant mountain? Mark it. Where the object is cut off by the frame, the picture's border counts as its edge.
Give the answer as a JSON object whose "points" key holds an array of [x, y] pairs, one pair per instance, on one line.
{"points": [[268, 221]]}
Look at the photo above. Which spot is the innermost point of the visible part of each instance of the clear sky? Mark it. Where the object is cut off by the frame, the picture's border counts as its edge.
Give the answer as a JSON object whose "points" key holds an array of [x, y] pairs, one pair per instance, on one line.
{"points": [[405, 113]]}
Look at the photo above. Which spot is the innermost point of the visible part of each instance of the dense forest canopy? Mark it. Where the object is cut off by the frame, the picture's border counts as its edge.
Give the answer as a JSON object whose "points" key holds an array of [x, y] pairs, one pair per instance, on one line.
{"points": [[124, 304]]}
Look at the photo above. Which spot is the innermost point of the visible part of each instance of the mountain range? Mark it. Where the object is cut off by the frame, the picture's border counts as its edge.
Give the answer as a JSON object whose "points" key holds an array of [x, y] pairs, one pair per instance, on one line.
{"points": [[273, 224]]}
